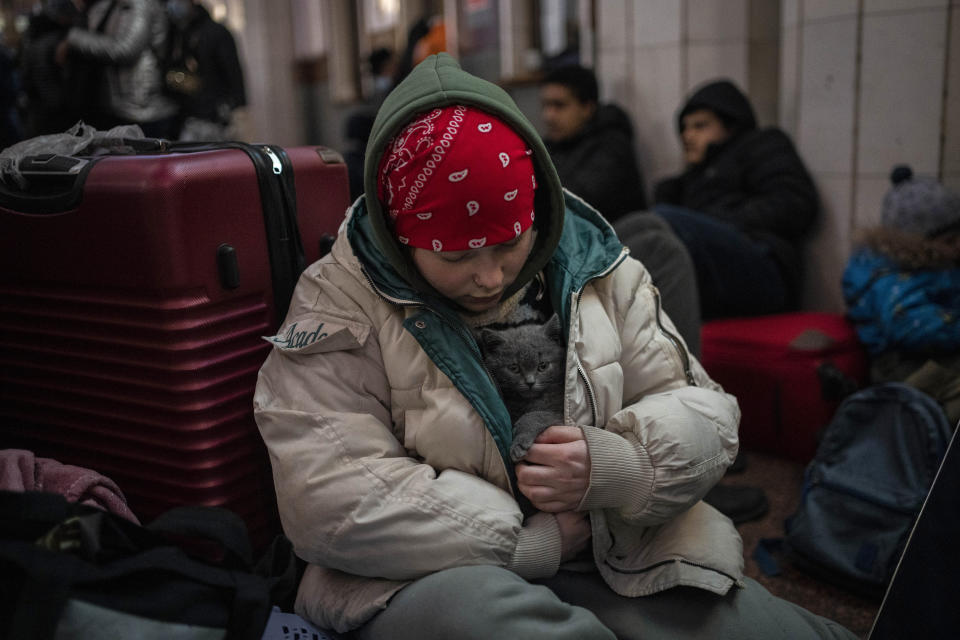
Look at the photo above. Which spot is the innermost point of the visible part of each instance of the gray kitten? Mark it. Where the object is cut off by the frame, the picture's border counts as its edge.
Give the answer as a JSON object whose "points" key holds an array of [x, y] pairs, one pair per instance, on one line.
{"points": [[527, 363]]}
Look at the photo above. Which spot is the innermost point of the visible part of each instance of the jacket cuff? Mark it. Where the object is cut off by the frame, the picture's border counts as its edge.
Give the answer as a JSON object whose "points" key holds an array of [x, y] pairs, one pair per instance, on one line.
{"points": [[538, 548], [621, 473]]}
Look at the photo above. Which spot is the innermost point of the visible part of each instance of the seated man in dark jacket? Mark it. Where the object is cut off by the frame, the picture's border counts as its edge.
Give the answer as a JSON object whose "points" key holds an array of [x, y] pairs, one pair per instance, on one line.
{"points": [[590, 144], [741, 206]]}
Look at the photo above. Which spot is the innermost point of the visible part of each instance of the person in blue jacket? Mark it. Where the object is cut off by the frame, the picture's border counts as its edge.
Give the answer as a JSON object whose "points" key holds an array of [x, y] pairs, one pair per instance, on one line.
{"points": [[901, 285]]}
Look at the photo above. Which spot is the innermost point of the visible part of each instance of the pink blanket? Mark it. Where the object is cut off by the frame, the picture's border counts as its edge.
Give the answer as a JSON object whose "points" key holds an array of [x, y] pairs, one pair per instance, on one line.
{"points": [[20, 470]]}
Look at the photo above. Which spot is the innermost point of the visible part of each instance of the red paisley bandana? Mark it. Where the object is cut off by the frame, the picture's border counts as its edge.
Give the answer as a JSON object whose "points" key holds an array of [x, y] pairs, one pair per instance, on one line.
{"points": [[457, 178]]}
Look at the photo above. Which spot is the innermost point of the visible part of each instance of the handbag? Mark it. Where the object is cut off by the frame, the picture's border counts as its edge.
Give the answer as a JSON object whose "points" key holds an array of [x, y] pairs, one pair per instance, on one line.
{"points": [[183, 78]]}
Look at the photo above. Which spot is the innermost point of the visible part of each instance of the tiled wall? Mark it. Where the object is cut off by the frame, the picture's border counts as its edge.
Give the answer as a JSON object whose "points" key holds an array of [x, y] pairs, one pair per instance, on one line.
{"points": [[266, 46], [950, 166], [859, 84]]}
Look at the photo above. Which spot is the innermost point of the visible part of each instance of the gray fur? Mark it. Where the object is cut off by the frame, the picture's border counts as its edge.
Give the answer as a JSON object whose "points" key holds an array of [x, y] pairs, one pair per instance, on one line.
{"points": [[528, 364]]}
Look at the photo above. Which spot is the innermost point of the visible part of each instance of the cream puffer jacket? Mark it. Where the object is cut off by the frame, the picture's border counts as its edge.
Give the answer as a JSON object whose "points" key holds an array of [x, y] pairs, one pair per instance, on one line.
{"points": [[387, 439]]}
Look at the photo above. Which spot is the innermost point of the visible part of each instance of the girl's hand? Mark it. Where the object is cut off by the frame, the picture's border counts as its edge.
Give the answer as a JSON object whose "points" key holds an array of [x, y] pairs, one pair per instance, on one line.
{"points": [[575, 533], [555, 473]]}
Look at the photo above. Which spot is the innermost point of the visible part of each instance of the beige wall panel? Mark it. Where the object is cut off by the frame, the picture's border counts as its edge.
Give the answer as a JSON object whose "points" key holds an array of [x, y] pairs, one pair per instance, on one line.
{"points": [[869, 200], [656, 22], [828, 248], [787, 105], [717, 19], [827, 92], [616, 85], [658, 97], [951, 135], [710, 60], [614, 25], [268, 64], [872, 6], [813, 10], [901, 89]]}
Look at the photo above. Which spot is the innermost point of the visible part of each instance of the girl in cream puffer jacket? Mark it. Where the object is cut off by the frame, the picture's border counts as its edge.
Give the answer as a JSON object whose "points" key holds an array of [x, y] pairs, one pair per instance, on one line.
{"points": [[389, 441]]}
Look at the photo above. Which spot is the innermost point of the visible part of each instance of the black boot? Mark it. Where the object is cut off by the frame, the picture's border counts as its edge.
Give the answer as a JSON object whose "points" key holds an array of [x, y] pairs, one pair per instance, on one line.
{"points": [[739, 463], [740, 504]]}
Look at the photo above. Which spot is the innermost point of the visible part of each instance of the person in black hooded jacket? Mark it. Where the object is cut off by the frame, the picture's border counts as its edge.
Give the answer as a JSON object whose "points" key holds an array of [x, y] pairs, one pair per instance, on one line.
{"points": [[591, 144], [741, 206]]}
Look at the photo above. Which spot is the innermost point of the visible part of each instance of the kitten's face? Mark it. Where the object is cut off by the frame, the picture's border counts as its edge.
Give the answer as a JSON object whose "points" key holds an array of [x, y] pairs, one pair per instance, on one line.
{"points": [[526, 360], [529, 372]]}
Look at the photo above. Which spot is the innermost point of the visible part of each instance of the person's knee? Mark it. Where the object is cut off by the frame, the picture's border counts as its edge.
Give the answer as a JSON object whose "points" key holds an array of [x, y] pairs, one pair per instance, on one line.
{"points": [[483, 602], [683, 223], [638, 222]]}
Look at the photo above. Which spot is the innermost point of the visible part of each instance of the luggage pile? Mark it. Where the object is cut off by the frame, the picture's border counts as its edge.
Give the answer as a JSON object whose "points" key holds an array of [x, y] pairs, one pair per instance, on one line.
{"points": [[134, 291]]}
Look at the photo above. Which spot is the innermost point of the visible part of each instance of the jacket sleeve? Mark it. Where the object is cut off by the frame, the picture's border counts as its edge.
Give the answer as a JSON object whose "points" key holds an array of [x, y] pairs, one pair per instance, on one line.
{"points": [[897, 308], [777, 194], [228, 64], [350, 495], [671, 441], [608, 177], [668, 191], [119, 48]]}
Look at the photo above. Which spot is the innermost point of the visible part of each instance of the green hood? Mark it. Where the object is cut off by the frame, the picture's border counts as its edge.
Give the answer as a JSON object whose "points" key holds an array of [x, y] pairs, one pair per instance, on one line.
{"points": [[439, 81]]}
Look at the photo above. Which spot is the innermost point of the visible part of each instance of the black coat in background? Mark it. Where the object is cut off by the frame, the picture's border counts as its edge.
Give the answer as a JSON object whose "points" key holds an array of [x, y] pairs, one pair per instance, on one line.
{"points": [[600, 166], [208, 48], [755, 181]]}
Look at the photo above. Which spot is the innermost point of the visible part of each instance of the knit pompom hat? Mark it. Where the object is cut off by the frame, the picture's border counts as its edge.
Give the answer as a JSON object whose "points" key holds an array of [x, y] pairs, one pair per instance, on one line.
{"points": [[919, 205]]}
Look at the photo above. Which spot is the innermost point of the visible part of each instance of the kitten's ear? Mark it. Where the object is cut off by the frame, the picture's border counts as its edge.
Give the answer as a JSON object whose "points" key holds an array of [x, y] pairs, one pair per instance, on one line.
{"points": [[490, 340], [552, 328]]}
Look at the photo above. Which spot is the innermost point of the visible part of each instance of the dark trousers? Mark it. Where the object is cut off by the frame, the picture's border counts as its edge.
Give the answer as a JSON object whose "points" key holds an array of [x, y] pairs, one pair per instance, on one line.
{"points": [[483, 602], [652, 242], [736, 275]]}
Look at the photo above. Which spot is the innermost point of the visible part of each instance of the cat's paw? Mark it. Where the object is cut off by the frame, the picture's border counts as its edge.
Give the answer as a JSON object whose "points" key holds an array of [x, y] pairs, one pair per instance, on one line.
{"points": [[526, 430], [519, 449], [528, 427]]}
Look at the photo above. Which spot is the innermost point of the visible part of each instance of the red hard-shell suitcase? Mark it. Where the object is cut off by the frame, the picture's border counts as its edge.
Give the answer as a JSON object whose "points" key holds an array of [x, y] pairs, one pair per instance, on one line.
{"points": [[132, 306], [771, 363]]}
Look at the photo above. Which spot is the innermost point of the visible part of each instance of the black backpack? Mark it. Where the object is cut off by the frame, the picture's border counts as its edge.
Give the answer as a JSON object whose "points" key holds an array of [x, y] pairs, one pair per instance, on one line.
{"points": [[864, 488], [74, 571]]}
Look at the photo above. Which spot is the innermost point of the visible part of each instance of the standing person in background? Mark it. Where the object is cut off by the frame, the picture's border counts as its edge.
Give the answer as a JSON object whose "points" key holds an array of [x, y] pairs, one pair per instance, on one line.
{"points": [[741, 206], [383, 66], [202, 73], [51, 90], [11, 130], [591, 144], [122, 43], [427, 33]]}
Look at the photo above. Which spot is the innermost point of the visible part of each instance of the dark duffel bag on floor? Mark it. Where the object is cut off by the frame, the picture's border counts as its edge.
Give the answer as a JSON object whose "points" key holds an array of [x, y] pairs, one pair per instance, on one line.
{"points": [[73, 571]]}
